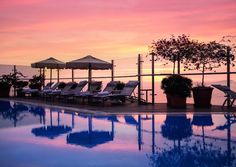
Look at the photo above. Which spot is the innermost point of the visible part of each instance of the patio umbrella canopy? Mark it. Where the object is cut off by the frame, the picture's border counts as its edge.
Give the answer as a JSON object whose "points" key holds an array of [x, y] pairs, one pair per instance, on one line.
{"points": [[89, 63], [50, 63]]}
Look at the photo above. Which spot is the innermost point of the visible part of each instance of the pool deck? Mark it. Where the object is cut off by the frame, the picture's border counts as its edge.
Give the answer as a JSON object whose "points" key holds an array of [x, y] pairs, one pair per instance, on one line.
{"points": [[128, 108]]}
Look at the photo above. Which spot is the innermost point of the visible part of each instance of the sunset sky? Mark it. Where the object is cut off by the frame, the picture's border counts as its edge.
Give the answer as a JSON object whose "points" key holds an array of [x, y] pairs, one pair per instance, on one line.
{"points": [[33, 30]]}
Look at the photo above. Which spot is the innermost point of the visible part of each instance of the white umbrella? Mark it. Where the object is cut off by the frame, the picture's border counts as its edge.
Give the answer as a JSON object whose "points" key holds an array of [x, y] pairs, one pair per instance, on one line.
{"points": [[91, 63], [50, 63]]}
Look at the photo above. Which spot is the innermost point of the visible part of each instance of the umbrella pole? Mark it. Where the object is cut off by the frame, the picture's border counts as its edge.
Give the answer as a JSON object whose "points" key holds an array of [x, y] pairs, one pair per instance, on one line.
{"points": [[58, 75], [112, 70], [50, 76], [58, 118], [43, 76], [73, 120], [72, 74], [90, 123], [40, 71], [51, 118], [89, 77]]}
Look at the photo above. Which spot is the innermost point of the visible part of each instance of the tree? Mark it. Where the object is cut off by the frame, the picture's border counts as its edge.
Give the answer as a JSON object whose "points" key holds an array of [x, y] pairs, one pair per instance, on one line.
{"points": [[173, 49], [208, 56]]}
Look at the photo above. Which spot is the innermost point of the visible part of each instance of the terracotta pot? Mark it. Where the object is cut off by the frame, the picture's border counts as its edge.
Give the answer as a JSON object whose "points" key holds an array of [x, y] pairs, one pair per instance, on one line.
{"points": [[168, 98], [202, 97], [5, 90], [176, 101]]}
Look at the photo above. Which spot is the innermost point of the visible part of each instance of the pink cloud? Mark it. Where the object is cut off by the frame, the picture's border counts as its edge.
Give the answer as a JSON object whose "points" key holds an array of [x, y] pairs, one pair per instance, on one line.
{"points": [[125, 27]]}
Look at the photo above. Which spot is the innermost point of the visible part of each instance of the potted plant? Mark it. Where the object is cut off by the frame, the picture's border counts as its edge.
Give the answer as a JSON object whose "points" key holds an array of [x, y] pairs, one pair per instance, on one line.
{"points": [[36, 82], [120, 86], [208, 57], [19, 85], [7, 81], [177, 88], [5, 85]]}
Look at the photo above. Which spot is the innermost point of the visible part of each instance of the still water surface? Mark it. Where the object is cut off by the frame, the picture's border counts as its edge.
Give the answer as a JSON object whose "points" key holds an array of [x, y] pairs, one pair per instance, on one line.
{"points": [[36, 136]]}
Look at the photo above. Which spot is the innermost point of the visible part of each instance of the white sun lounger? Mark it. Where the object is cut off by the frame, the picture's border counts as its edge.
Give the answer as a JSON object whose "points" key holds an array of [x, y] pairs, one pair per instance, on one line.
{"points": [[229, 94]]}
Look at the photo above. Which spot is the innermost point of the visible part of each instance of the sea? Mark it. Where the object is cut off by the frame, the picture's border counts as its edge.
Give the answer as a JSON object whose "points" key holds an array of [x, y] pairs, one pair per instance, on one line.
{"points": [[65, 75]]}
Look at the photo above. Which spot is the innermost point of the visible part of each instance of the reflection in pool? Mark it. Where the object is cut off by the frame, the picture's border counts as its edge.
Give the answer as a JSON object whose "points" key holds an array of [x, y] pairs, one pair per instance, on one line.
{"points": [[36, 136]]}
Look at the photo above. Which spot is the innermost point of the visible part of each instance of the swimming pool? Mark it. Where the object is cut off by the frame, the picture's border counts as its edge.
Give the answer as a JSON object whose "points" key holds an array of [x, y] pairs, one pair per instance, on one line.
{"points": [[32, 135]]}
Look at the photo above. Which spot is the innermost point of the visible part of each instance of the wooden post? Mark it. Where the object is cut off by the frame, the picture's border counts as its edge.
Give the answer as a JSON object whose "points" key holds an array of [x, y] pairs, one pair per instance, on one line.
{"points": [[228, 72], [40, 71], [58, 75], [139, 133], [153, 133], [43, 76], [50, 76], [229, 151], [14, 70], [178, 59], [139, 79], [89, 76], [112, 70], [153, 79], [90, 124], [72, 74]]}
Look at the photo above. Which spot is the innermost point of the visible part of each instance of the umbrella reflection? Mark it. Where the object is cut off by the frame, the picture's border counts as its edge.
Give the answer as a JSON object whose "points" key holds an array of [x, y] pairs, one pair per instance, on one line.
{"points": [[91, 138], [38, 111], [51, 131], [202, 120]]}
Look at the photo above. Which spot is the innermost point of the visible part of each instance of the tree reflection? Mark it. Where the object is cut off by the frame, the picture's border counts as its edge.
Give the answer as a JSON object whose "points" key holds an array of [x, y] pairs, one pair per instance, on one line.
{"points": [[176, 127], [14, 113], [202, 121], [192, 153]]}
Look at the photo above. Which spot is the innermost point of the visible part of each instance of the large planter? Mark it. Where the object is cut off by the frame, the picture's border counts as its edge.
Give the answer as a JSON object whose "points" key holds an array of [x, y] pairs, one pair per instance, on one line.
{"points": [[5, 90], [202, 96], [20, 93], [168, 98], [176, 101]]}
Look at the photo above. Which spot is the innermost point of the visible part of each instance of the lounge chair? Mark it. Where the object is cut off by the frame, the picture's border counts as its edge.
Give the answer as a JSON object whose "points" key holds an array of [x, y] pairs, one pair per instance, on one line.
{"points": [[109, 89], [29, 91], [229, 94], [66, 89], [76, 90], [55, 86], [123, 95], [95, 87]]}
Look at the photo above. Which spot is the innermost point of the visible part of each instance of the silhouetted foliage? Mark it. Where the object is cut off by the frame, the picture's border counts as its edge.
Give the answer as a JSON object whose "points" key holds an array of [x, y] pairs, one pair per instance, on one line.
{"points": [[36, 82], [177, 85], [193, 54], [173, 49], [208, 56]]}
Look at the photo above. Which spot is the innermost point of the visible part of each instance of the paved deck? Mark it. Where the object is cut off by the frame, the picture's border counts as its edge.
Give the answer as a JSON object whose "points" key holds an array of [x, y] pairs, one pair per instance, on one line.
{"points": [[129, 108]]}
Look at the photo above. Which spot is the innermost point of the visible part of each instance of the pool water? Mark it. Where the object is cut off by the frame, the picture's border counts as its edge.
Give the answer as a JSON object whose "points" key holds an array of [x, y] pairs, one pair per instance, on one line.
{"points": [[34, 136]]}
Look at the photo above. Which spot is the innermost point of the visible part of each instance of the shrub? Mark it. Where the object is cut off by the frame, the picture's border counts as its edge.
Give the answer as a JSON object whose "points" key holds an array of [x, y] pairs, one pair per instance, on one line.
{"points": [[177, 85]]}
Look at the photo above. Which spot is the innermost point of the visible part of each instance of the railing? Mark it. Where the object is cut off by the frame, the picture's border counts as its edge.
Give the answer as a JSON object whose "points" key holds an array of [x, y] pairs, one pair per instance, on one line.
{"points": [[143, 75], [139, 76]]}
